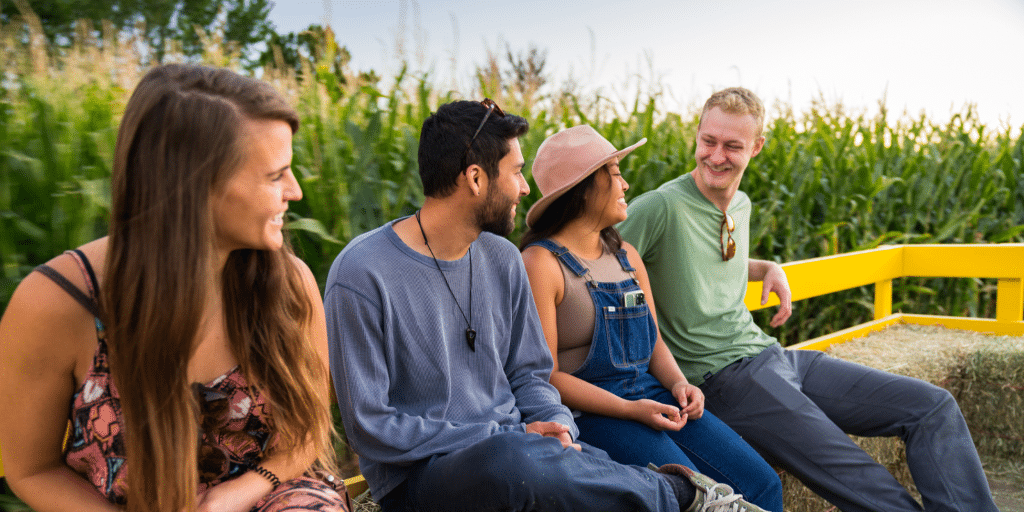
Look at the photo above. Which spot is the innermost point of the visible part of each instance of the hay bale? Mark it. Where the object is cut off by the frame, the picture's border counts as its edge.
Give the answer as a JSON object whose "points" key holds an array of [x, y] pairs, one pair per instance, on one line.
{"points": [[364, 503], [990, 390], [985, 374]]}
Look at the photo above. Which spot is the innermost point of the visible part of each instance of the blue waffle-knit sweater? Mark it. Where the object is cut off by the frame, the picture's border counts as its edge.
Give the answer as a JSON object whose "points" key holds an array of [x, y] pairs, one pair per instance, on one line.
{"points": [[408, 385]]}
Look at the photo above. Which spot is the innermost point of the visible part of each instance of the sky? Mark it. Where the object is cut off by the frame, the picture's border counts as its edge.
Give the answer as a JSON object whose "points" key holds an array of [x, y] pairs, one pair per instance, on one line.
{"points": [[931, 56]]}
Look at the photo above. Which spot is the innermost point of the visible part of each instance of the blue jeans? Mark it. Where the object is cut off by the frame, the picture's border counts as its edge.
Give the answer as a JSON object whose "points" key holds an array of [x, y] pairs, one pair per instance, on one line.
{"points": [[519, 471], [706, 445], [796, 407]]}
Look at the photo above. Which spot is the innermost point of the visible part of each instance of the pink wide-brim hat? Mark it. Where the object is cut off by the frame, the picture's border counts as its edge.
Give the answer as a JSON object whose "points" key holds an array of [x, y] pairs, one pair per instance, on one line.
{"points": [[567, 158]]}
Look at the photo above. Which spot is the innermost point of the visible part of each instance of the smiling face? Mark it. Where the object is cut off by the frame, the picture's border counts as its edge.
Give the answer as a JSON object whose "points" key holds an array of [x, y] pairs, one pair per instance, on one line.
{"points": [[249, 208], [606, 201], [498, 212], [725, 144]]}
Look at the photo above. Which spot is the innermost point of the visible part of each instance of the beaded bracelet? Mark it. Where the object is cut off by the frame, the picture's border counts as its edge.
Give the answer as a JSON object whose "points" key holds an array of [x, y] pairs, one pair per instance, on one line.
{"points": [[266, 473]]}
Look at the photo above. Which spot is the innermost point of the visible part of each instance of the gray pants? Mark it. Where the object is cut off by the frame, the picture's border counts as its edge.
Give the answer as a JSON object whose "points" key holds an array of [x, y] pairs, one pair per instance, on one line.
{"points": [[795, 407]]}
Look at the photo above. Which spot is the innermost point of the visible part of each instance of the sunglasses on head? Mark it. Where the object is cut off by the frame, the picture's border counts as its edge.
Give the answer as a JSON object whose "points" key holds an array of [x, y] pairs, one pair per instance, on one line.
{"points": [[492, 107]]}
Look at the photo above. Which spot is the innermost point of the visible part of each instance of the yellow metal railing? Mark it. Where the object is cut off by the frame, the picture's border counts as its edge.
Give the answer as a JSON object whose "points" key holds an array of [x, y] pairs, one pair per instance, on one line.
{"points": [[821, 276]]}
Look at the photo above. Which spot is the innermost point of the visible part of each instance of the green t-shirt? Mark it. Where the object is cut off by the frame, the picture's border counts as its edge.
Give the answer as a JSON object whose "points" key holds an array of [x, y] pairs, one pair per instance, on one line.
{"points": [[697, 296]]}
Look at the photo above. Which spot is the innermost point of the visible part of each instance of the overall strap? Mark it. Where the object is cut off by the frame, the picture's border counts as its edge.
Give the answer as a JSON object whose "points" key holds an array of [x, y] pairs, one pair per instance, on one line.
{"points": [[624, 261], [565, 257], [86, 301]]}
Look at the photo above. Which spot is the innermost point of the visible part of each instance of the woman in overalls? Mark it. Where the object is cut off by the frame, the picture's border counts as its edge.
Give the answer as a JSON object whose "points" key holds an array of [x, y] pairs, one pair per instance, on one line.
{"points": [[594, 300]]}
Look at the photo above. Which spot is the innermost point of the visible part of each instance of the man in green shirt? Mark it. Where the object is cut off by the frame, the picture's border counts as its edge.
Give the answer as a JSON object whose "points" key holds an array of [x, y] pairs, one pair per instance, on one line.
{"points": [[794, 406]]}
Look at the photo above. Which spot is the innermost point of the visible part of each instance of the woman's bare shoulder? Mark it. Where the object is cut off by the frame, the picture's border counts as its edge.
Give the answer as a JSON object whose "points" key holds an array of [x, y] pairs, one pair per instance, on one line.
{"points": [[539, 259], [632, 254], [42, 320]]}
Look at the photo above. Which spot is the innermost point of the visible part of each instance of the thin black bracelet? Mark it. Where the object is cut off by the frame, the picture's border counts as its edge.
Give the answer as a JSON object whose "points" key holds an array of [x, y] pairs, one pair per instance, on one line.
{"points": [[269, 475]]}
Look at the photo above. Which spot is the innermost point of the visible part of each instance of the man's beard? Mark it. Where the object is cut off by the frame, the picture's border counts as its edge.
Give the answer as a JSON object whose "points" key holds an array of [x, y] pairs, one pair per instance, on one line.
{"points": [[495, 216]]}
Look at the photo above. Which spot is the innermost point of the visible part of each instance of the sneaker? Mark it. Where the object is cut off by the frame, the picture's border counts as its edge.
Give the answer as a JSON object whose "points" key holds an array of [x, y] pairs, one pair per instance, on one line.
{"points": [[711, 496]]}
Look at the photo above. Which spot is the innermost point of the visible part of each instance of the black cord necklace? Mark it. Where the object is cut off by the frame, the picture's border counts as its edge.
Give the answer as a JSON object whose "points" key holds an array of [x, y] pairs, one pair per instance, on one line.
{"points": [[470, 333]]}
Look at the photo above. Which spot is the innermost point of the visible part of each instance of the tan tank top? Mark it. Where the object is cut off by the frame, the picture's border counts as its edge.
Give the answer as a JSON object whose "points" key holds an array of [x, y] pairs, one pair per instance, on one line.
{"points": [[575, 315]]}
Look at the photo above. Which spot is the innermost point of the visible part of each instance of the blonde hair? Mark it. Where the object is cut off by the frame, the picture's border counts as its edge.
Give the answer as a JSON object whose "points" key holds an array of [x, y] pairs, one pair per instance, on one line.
{"points": [[737, 100], [182, 136]]}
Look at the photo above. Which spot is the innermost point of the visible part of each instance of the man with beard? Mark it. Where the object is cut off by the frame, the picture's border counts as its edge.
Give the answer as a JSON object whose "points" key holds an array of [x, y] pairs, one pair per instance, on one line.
{"points": [[439, 360]]}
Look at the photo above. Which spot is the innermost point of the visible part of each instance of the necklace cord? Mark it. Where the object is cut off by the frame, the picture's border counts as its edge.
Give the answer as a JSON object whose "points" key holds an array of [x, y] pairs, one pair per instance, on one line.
{"points": [[470, 333]]}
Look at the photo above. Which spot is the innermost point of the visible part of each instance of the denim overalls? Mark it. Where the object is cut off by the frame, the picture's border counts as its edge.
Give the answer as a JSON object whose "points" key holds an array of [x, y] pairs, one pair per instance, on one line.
{"points": [[624, 337], [620, 354]]}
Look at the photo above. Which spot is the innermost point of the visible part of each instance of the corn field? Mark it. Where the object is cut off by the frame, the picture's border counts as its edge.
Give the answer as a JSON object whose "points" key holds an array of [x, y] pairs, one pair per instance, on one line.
{"points": [[828, 180]]}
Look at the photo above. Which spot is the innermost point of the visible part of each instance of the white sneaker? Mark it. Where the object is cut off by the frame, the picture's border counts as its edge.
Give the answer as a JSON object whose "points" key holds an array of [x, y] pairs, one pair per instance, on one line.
{"points": [[711, 496], [722, 499]]}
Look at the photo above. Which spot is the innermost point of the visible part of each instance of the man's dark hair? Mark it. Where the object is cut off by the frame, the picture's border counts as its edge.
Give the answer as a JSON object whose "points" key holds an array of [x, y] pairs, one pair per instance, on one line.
{"points": [[446, 133]]}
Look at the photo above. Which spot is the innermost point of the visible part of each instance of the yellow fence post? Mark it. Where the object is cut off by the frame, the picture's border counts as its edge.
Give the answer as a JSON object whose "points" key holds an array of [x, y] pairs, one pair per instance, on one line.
{"points": [[883, 299], [1010, 300]]}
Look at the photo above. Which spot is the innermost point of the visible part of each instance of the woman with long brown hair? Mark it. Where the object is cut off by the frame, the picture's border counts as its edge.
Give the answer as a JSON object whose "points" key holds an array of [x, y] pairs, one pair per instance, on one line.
{"points": [[188, 347]]}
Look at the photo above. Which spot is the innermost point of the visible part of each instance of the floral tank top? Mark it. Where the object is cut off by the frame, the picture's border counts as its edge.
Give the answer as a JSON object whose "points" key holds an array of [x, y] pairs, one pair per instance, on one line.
{"points": [[234, 427]]}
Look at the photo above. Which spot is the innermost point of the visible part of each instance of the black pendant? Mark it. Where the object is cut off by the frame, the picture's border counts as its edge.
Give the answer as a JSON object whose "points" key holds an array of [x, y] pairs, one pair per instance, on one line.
{"points": [[471, 339]]}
